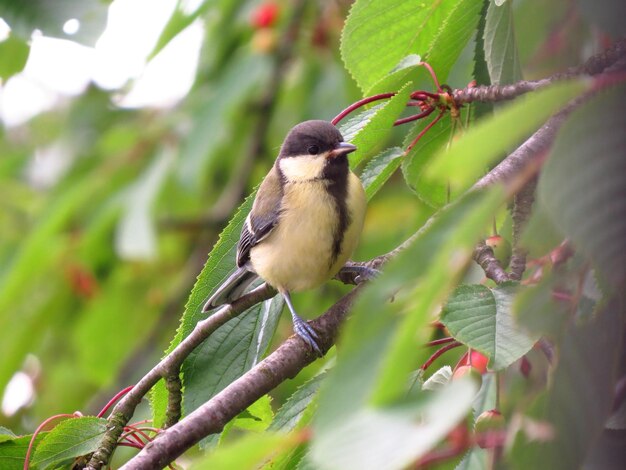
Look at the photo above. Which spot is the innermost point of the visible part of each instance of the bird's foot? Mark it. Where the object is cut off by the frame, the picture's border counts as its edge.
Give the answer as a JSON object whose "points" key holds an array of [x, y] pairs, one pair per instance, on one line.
{"points": [[358, 272], [307, 333]]}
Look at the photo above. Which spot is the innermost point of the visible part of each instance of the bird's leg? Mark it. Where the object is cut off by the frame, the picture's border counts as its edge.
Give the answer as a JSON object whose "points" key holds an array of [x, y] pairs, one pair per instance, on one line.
{"points": [[359, 272], [301, 327]]}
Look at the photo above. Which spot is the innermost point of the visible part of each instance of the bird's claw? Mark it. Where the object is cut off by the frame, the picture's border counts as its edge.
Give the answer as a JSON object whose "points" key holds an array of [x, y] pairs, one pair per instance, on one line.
{"points": [[307, 333], [363, 273]]}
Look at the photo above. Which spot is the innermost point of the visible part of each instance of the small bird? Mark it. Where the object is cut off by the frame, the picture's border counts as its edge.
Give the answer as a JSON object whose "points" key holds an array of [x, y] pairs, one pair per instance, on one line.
{"points": [[305, 221]]}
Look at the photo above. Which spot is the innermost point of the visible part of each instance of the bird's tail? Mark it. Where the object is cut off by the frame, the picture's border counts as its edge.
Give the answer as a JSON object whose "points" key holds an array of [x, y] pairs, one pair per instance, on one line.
{"points": [[231, 289]]}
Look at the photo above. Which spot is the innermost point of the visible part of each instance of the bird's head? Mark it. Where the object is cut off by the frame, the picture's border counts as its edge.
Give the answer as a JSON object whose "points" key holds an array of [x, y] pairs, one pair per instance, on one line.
{"points": [[311, 150]]}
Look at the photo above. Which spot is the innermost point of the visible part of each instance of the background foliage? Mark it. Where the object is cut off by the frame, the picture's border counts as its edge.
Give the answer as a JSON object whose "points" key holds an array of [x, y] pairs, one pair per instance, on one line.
{"points": [[96, 265]]}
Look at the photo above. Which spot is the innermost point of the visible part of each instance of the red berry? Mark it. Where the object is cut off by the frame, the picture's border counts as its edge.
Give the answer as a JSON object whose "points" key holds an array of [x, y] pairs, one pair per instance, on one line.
{"points": [[265, 15], [490, 427], [479, 361], [470, 372]]}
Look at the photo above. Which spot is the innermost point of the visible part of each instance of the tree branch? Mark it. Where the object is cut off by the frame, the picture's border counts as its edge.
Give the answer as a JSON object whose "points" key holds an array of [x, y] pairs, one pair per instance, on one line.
{"points": [[284, 363]]}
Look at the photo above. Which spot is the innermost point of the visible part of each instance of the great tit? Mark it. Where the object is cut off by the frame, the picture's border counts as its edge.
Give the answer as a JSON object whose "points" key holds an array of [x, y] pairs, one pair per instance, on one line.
{"points": [[305, 221]]}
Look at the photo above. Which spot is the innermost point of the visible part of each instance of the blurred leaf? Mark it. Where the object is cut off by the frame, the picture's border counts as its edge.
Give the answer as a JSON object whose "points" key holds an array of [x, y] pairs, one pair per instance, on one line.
{"points": [[99, 349], [13, 55], [391, 438], [38, 254], [481, 318], [581, 393], [135, 237], [437, 31], [606, 14], [25, 17], [212, 124], [13, 452], [439, 379], [379, 345], [468, 157], [369, 129], [475, 459], [379, 169], [500, 47], [69, 439], [248, 452], [583, 185], [290, 415], [481, 71], [176, 24]]}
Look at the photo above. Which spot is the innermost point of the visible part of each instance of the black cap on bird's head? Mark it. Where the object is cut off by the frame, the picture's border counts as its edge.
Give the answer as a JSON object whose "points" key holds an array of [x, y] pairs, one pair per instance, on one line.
{"points": [[315, 138]]}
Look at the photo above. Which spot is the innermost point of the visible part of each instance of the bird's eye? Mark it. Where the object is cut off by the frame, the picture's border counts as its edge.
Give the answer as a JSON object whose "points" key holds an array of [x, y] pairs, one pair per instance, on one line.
{"points": [[313, 150]]}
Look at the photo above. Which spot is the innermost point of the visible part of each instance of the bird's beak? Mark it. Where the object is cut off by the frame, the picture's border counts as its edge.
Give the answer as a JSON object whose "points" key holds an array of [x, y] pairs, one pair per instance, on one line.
{"points": [[342, 148]]}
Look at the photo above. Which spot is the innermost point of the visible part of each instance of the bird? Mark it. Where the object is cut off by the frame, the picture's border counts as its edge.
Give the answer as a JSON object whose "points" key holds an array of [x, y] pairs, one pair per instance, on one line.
{"points": [[305, 221]]}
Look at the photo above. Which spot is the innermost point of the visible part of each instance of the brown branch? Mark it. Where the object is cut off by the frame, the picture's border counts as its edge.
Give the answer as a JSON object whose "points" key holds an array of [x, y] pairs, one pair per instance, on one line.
{"points": [[484, 256], [284, 363], [522, 205], [492, 93]]}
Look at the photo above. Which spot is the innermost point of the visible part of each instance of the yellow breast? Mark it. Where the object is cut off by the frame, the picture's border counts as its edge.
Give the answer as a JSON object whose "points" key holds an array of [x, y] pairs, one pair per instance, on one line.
{"points": [[298, 254]]}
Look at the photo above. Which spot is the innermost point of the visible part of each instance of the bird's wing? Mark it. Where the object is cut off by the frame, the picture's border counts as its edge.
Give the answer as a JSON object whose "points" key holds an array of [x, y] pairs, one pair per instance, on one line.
{"points": [[262, 218]]}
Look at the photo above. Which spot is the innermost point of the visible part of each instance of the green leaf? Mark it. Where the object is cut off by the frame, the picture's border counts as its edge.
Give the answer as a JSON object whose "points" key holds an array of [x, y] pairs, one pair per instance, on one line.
{"points": [[384, 335], [236, 346], [391, 438], [481, 71], [481, 318], [257, 417], [228, 353], [583, 185], [457, 22], [438, 31], [581, 394], [379, 169], [69, 439], [433, 193], [500, 47], [13, 452], [409, 69], [6, 434], [293, 410], [251, 451], [369, 129], [13, 55], [468, 157]]}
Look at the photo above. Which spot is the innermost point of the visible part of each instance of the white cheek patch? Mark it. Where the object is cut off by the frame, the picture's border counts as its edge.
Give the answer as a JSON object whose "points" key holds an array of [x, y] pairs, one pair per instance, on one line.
{"points": [[302, 168]]}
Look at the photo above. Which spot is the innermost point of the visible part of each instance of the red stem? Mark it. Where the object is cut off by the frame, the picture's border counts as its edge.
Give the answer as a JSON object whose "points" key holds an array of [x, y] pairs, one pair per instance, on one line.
{"points": [[38, 430], [358, 104], [112, 401], [432, 74], [426, 129], [414, 118], [437, 342], [438, 353]]}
